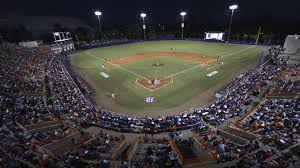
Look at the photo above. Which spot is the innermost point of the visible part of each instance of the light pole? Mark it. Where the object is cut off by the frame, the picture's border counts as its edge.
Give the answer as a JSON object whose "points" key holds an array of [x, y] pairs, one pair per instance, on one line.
{"points": [[98, 14], [182, 23], [143, 15], [232, 8]]}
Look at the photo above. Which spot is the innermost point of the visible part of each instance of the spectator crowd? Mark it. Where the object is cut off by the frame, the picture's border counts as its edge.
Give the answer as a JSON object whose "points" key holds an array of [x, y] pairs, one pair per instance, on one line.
{"points": [[36, 84]]}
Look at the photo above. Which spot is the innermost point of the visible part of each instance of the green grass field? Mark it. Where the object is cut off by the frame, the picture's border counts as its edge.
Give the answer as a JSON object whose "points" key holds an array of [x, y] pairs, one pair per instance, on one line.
{"points": [[171, 66], [187, 84]]}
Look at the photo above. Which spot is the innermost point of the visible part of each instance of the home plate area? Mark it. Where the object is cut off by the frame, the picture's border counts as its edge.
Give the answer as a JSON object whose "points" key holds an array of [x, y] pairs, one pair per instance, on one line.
{"points": [[153, 84]]}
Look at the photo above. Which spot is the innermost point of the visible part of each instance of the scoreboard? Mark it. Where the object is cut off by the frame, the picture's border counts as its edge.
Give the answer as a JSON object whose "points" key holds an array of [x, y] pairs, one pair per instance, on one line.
{"points": [[214, 35]]}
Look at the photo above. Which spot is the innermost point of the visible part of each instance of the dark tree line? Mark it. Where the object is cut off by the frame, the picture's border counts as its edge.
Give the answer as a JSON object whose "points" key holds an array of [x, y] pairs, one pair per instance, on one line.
{"points": [[15, 33], [272, 31]]}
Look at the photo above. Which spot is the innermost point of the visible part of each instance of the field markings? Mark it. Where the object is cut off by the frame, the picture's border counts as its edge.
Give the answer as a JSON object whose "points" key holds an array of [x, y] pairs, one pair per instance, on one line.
{"points": [[118, 66], [177, 73], [104, 75], [189, 69], [219, 65], [202, 65], [136, 81], [152, 90], [212, 73]]}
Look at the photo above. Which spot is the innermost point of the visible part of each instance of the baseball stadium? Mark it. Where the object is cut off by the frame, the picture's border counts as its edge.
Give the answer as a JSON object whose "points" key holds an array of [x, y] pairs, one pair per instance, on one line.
{"points": [[149, 84], [174, 75]]}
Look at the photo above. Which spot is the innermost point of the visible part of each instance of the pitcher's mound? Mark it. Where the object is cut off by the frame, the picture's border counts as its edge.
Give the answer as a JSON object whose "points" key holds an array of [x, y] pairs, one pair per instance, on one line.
{"points": [[153, 84], [158, 65]]}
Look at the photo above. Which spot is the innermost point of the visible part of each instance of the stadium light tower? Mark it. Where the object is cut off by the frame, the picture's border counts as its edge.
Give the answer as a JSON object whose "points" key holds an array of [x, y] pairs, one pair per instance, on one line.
{"points": [[98, 14], [182, 23], [232, 8], [143, 15]]}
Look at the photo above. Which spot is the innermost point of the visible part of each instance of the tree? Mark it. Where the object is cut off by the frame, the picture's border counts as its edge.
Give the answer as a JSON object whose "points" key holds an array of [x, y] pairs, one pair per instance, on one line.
{"points": [[57, 27], [19, 33], [236, 37], [3, 32], [84, 34], [253, 38], [46, 37]]}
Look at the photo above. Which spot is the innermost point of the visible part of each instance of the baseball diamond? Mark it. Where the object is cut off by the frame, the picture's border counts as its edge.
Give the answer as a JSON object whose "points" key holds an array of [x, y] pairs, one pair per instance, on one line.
{"points": [[149, 84], [180, 78], [153, 84]]}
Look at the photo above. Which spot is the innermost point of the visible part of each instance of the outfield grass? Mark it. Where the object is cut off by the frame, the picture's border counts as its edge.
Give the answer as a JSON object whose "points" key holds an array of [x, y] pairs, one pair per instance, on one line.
{"points": [[170, 66], [186, 85]]}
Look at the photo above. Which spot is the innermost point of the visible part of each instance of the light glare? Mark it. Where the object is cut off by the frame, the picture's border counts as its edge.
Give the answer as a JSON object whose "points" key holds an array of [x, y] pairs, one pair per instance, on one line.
{"points": [[143, 15], [183, 13], [233, 7], [98, 13]]}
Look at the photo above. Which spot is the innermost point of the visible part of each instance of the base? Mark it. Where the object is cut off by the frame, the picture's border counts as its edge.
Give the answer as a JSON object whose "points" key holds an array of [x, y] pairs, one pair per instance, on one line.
{"points": [[153, 84]]}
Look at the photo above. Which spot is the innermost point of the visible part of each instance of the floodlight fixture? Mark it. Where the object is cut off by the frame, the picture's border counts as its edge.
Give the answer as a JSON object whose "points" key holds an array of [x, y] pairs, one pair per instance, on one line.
{"points": [[182, 13], [233, 7], [98, 13], [143, 15], [182, 23]]}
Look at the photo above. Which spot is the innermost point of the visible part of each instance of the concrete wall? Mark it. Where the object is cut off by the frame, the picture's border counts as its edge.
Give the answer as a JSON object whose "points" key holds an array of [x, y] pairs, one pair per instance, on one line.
{"points": [[292, 44], [29, 44]]}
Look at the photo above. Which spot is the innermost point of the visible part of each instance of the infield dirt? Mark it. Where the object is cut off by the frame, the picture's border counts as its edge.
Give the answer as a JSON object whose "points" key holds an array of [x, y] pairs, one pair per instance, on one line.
{"points": [[195, 58], [162, 83]]}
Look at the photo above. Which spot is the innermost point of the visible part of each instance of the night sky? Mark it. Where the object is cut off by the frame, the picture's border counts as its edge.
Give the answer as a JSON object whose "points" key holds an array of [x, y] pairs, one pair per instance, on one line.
{"points": [[158, 11]]}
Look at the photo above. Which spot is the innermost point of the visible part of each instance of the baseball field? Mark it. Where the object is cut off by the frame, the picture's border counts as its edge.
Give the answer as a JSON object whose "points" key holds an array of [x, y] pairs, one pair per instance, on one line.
{"points": [[161, 77]]}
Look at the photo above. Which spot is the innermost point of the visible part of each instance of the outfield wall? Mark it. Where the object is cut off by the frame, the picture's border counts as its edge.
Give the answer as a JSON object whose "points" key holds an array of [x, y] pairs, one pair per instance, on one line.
{"points": [[119, 42]]}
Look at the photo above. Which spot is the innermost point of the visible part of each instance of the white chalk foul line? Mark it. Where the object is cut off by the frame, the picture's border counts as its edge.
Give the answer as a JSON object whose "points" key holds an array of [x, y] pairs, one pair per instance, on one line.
{"points": [[177, 73], [201, 65], [152, 90], [136, 81], [190, 69], [242, 50], [118, 66], [239, 51]]}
